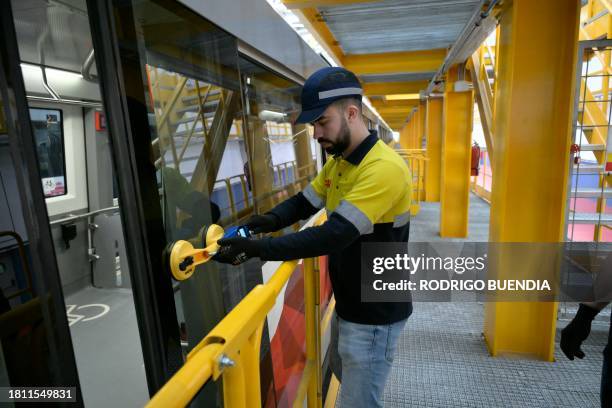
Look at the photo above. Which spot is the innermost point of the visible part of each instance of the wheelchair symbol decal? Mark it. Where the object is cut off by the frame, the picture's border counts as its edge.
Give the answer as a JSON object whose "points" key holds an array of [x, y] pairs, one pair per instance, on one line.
{"points": [[73, 318]]}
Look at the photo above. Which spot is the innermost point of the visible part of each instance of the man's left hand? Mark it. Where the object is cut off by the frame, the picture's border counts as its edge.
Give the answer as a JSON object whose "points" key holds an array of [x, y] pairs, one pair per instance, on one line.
{"points": [[237, 250]]}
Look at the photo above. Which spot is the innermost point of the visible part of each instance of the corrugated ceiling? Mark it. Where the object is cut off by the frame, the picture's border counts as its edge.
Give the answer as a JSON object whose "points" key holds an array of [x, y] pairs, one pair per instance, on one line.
{"points": [[398, 25]]}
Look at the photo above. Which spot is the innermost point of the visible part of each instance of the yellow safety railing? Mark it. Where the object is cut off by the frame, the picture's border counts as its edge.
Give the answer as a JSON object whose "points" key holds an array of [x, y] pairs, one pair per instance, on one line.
{"points": [[416, 158], [231, 350]]}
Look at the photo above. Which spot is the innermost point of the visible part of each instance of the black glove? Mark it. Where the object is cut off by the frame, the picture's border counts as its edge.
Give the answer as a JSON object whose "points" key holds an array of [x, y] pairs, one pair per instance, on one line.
{"points": [[577, 331], [262, 223], [237, 250]]}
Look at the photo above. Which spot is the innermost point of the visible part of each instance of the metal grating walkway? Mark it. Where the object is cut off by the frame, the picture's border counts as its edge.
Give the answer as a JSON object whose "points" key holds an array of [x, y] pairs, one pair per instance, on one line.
{"points": [[442, 359]]}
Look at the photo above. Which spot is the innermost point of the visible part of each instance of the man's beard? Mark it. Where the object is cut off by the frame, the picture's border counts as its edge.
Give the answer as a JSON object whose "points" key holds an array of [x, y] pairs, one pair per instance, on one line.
{"points": [[343, 141]]}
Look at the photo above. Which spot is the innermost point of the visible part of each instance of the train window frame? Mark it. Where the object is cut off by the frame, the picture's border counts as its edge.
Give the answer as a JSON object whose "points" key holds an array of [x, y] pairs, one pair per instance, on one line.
{"points": [[63, 149]]}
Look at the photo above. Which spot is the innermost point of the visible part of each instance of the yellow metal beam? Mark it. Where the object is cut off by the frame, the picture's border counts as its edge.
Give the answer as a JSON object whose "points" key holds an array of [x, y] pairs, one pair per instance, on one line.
{"points": [[394, 110], [301, 4], [484, 98], [433, 133], [395, 62], [407, 103], [396, 126], [403, 97], [532, 140], [456, 153], [314, 23], [387, 88]]}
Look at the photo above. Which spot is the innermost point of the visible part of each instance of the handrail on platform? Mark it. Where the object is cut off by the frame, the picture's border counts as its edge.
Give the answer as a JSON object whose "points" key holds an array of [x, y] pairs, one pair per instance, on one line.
{"points": [[231, 349]]}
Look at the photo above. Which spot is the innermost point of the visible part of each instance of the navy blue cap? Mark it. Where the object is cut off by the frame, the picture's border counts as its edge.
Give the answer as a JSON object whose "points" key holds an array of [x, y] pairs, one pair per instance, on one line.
{"points": [[324, 87]]}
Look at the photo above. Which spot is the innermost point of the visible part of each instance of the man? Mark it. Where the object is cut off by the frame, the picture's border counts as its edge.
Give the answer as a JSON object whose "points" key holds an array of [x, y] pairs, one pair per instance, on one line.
{"points": [[576, 332], [366, 190]]}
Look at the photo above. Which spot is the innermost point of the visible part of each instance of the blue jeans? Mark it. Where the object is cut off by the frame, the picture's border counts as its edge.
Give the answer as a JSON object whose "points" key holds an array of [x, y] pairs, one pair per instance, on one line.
{"points": [[361, 358]]}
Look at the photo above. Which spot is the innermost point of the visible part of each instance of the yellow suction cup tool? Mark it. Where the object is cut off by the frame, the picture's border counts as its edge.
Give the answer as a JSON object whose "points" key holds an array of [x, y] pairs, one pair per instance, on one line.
{"points": [[184, 257]]}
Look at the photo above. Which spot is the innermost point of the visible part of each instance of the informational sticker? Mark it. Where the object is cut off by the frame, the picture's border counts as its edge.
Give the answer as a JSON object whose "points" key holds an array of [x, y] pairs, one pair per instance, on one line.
{"points": [[53, 186]]}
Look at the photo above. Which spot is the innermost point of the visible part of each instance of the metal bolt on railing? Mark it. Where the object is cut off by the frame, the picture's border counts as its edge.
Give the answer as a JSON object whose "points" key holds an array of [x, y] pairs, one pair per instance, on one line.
{"points": [[225, 362]]}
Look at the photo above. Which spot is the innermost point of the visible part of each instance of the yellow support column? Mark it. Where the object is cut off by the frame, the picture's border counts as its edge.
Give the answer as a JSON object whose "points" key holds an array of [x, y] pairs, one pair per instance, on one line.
{"points": [[458, 111], [410, 132], [422, 143], [416, 128], [422, 124], [405, 136], [535, 91], [433, 134], [412, 124]]}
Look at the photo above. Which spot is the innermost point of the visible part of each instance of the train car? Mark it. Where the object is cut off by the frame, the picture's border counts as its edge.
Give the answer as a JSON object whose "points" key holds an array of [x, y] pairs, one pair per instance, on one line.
{"points": [[126, 126]]}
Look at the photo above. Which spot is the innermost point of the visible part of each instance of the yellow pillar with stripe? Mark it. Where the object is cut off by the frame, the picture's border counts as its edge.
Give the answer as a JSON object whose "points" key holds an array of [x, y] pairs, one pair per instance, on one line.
{"points": [[458, 113], [533, 109], [433, 134], [405, 137]]}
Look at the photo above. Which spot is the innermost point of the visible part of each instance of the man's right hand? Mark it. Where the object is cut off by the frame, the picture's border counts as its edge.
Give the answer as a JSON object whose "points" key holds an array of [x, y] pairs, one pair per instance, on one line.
{"points": [[577, 331], [262, 223]]}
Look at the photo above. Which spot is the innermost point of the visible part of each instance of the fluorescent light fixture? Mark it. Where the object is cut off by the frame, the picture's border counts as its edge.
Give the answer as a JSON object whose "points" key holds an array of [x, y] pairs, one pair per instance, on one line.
{"points": [[51, 71], [63, 73], [402, 97], [31, 68], [271, 115]]}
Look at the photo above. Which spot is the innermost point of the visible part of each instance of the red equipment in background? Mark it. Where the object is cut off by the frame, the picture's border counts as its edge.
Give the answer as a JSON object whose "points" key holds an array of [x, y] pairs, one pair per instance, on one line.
{"points": [[475, 159]]}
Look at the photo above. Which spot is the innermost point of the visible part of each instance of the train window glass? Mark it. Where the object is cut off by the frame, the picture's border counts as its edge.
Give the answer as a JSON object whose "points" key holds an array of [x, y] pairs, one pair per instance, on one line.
{"points": [[193, 100], [47, 125], [280, 153]]}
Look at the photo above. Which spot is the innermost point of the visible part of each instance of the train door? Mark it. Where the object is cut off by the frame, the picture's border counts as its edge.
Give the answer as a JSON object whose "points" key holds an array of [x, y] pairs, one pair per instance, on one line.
{"points": [[124, 343], [177, 88], [35, 342], [177, 84]]}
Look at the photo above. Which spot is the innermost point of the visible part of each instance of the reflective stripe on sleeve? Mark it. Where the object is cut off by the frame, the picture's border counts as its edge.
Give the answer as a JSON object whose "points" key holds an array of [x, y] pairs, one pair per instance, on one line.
{"points": [[313, 198], [355, 216], [401, 219]]}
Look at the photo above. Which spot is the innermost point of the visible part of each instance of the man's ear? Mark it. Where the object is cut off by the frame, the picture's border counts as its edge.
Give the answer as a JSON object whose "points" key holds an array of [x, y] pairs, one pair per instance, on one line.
{"points": [[352, 112]]}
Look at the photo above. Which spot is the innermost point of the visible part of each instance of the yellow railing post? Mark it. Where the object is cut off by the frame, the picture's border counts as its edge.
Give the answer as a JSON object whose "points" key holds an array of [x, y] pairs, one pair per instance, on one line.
{"points": [[313, 336], [230, 195]]}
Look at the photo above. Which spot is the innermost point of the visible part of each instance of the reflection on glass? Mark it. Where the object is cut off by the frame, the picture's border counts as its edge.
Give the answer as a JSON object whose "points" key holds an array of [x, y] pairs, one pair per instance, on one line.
{"points": [[200, 151], [223, 147], [281, 156], [47, 125]]}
